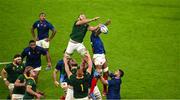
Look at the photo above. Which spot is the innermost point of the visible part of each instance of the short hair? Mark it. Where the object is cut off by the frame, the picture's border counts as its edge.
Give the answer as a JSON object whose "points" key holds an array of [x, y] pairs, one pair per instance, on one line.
{"points": [[42, 13], [27, 70], [121, 72], [32, 41], [16, 55]]}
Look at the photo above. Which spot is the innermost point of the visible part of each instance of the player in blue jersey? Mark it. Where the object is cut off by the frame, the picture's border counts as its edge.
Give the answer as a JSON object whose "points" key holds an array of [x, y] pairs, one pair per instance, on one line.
{"points": [[63, 77], [33, 56], [59, 68], [99, 57], [113, 85], [43, 26]]}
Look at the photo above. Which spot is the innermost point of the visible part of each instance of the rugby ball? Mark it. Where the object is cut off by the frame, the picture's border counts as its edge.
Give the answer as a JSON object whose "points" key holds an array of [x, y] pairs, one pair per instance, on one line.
{"points": [[103, 29]]}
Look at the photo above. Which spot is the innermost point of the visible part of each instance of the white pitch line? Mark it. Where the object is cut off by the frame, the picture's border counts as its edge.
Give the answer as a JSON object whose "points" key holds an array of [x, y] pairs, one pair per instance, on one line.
{"points": [[3, 63]]}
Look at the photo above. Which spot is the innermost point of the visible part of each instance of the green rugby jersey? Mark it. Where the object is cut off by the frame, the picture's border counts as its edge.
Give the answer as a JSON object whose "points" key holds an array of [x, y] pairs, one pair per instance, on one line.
{"points": [[20, 89], [13, 71], [79, 32], [80, 86], [31, 82]]}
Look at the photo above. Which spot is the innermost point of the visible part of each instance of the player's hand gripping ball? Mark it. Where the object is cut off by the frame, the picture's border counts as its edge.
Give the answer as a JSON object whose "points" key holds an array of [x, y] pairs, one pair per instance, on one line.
{"points": [[103, 29]]}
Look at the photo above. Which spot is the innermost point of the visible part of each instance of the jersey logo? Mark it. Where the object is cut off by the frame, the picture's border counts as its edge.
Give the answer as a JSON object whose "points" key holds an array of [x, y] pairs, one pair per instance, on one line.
{"points": [[29, 53], [37, 25]]}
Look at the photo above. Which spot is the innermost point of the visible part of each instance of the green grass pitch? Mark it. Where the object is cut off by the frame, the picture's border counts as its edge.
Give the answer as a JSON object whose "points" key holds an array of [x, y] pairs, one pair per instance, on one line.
{"points": [[143, 40]]}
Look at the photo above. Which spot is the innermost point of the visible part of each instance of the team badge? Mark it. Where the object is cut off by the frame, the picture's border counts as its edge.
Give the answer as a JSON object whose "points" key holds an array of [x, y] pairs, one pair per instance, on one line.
{"points": [[37, 25]]}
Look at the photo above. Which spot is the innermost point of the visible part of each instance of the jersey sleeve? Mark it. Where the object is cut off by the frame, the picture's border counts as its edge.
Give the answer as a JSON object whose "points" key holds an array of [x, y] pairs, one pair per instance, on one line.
{"points": [[72, 79], [20, 77], [110, 82], [50, 26], [7, 68], [59, 66], [87, 76], [43, 51], [23, 54], [34, 25], [30, 82]]}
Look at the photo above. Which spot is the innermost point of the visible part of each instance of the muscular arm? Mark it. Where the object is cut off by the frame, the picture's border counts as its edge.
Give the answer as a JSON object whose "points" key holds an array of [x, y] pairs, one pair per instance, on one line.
{"points": [[33, 33], [53, 34], [89, 61], [3, 73], [66, 66], [18, 83], [103, 80], [55, 74], [85, 21], [97, 31], [93, 28], [29, 90]]}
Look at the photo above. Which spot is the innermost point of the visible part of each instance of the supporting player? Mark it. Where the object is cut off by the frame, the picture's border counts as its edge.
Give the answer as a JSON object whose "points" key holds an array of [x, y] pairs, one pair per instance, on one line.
{"points": [[79, 80], [113, 85], [19, 85], [33, 56], [63, 77], [99, 58], [31, 91], [43, 27], [11, 72]]}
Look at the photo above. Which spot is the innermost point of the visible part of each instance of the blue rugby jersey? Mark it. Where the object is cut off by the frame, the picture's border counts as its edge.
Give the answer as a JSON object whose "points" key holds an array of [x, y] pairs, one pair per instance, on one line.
{"points": [[33, 57], [43, 28], [97, 44], [60, 67], [114, 89]]}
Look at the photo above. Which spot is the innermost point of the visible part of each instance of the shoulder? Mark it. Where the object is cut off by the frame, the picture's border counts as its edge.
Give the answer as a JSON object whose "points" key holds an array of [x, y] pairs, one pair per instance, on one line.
{"points": [[72, 77], [26, 49], [36, 22], [30, 81], [60, 62], [21, 76], [39, 48], [8, 66]]}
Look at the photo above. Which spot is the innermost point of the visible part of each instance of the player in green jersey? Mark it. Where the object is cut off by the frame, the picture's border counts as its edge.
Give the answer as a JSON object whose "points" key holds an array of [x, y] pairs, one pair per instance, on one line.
{"points": [[79, 30], [31, 91], [79, 80], [19, 85], [11, 72]]}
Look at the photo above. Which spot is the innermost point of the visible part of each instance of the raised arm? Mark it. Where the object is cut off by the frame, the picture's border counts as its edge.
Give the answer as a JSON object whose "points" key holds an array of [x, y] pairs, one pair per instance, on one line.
{"points": [[97, 31], [89, 61], [93, 28], [68, 72], [103, 80], [85, 21]]}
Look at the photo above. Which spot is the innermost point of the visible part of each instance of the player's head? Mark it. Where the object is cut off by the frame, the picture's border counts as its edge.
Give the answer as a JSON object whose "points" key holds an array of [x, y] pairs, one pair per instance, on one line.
{"points": [[17, 59], [80, 72], [32, 73], [119, 73], [32, 44], [72, 63], [27, 70], [42, 16], [81, 16]]}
